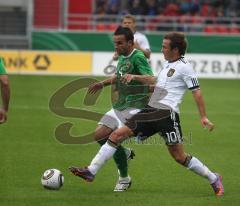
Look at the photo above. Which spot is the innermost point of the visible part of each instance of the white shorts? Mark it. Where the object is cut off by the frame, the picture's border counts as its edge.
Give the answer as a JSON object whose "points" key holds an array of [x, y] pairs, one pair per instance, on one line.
{"points": [[115, 119]]}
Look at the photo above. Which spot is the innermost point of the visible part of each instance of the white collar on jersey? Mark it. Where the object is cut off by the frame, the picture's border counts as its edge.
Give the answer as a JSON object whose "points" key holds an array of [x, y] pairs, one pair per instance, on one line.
{"points": [[129, 54], [176, 59]]}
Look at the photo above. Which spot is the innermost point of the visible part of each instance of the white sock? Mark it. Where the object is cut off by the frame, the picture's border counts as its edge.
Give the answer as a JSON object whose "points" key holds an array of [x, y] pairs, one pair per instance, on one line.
{"points": [[199, 168], [104, 154]]}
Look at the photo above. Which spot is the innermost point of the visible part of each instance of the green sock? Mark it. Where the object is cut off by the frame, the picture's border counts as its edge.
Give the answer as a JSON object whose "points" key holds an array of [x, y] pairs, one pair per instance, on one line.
{"points": [[120, 159]]}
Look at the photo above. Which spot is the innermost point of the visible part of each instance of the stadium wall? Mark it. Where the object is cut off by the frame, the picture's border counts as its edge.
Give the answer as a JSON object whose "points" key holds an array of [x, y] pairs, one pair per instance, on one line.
{"points": [[101, 64], [76, 41]]}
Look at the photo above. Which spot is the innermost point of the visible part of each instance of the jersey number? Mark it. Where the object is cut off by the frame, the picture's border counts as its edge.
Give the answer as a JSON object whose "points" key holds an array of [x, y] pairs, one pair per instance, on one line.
{"points": [[172, 137]]}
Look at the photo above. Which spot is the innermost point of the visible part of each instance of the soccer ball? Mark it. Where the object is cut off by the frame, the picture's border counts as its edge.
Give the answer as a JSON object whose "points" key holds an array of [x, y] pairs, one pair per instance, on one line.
{"points": [[52, 179]]}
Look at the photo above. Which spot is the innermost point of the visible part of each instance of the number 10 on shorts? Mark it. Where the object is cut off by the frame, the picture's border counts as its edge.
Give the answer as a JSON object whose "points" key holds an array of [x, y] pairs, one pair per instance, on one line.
{"points": [[172, 138]]}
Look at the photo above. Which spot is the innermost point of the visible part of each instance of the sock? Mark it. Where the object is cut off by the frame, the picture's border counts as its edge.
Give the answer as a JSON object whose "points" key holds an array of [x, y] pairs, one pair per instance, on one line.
{"points": [[199, 168], [120, 159], [104, 154], [102, 141], [125, 179]]}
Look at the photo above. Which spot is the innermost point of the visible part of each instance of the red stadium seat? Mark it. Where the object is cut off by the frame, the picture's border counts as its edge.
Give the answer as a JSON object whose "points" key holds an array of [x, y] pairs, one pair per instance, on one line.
{"points": [[222, 29], [209, 29], [234, 29], [101, 27], [112, 27]]}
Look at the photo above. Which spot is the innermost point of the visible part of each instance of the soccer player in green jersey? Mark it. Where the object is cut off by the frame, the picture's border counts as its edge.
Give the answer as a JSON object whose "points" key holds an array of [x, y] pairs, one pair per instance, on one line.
{"points": [[5, 93], [131, 98]]}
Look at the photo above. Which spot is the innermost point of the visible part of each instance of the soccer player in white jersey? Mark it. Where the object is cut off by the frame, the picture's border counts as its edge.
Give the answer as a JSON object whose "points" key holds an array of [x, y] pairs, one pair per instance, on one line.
{"points": [[140, 40], [162, 114]]}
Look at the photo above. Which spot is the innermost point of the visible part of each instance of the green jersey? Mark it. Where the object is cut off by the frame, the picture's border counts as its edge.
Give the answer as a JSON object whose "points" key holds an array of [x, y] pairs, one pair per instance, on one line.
{"points": [[2, 68], [133, 94]]}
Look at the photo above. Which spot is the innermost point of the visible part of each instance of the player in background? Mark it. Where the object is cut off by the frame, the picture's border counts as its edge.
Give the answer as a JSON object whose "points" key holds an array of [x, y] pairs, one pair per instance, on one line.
{"points": [[140, 40], [162, 114], [131, 98], [5, 92]]}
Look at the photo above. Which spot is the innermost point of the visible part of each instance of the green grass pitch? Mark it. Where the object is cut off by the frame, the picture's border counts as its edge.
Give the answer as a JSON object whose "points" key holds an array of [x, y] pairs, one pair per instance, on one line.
{"points": [[28, 148]]}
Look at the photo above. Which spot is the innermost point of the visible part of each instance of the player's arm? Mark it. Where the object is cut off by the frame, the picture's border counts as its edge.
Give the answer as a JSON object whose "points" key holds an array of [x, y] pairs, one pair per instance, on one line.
{"points": [[190, 78], [144, 79], [146, 52], [5, 94], [201, 108], [99, 85]]}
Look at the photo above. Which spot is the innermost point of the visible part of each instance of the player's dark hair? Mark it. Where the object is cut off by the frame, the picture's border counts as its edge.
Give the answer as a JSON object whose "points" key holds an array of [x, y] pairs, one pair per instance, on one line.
{"points": [[178, 40], [126, 32]]}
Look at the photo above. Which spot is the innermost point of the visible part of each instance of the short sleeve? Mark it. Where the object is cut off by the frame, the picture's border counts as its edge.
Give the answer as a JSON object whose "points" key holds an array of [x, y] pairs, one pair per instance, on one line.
{"points": [[143, 66], [190, 77], [144, 43], [142, 40], [2, 68]]}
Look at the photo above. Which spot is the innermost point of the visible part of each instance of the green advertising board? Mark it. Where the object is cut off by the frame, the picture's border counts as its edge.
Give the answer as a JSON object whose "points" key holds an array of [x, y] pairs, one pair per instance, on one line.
{"points": [[76, 41]]}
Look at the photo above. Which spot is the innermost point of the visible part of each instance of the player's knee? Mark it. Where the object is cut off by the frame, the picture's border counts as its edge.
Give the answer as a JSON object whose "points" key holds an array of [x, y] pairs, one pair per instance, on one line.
{"points": [[96, 136], [101, 133], [99, 139], [116, 137]]}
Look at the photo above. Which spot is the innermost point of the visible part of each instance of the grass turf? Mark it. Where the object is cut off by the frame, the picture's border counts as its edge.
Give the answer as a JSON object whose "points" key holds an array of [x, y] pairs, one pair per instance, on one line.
{"points": [[28, 147]]}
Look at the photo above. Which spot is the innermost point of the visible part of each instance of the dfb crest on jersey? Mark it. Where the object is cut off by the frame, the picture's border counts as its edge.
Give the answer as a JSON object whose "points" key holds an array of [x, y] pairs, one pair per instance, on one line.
{"points": [[170, 72]]}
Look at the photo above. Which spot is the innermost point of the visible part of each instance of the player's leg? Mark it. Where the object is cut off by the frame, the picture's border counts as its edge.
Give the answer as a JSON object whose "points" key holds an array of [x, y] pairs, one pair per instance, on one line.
{"points": [[120, 157], [191, 162], [109, 148], [102, 133], [173, 138], [107, 124], [195, 165], [113, 119], [133, 126], [105, 153]]}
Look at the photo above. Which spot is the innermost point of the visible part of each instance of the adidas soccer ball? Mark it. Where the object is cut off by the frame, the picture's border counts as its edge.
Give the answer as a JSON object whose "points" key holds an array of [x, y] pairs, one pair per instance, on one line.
{"points": [[52, 179]]}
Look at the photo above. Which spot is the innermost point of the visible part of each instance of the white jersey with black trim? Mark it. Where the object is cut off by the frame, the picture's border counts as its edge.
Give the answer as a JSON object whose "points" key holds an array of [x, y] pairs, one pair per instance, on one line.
{"points": [[172, 82], [142, 40]]}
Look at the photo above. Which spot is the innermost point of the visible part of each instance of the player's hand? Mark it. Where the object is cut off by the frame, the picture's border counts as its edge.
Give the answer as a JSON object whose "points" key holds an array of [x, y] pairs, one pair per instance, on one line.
{"points": [[92, 89], [207, 123], [125, 79], [3, 116]]}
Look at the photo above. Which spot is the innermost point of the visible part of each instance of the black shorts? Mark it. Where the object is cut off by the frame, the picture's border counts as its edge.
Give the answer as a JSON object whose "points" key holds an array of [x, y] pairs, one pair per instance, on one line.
{"points": [[152, 120]]}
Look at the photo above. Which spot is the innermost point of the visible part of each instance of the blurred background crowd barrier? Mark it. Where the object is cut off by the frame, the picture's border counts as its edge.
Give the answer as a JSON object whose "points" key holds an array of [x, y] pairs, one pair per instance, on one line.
{"points": [[212, 27]]}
